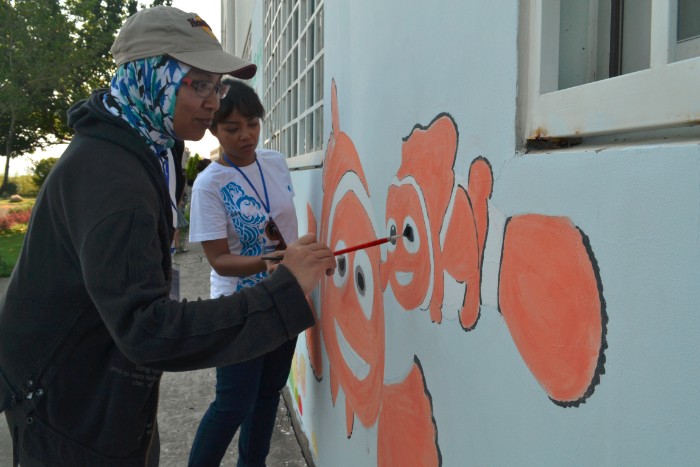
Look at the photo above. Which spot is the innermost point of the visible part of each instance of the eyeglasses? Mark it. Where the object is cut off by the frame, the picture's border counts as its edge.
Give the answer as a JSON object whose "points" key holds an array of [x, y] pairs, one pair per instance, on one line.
{"points": [[274, 234], [205, 88]]}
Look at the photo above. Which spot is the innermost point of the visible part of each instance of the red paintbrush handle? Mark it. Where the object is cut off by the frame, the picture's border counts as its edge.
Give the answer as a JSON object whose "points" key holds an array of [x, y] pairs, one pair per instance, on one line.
{"points": [[362, 246]]}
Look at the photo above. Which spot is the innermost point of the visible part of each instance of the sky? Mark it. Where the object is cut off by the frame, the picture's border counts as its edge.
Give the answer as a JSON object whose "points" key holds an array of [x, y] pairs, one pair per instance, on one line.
{"points": [[210, 11]]}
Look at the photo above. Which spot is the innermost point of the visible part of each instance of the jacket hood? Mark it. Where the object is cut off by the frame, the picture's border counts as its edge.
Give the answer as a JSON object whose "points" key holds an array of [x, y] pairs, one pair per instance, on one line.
{"points": [[89, 116]]}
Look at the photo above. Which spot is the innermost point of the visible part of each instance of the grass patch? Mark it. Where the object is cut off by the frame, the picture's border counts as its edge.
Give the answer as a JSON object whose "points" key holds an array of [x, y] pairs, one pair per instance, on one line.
{"points": [[10, 246]]}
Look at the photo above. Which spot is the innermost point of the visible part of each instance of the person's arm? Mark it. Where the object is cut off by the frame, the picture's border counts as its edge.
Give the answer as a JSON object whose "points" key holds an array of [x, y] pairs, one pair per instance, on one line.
{"points": [[121, 258]]}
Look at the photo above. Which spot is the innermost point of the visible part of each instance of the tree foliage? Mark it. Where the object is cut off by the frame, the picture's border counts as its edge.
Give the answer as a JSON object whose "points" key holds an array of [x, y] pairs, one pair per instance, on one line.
{"points": [[191, 168], [52, 54], [42, 169]]}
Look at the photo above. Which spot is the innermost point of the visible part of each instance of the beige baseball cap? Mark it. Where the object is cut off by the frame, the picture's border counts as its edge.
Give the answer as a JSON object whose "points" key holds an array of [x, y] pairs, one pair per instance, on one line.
{"points": [[164, 30]]}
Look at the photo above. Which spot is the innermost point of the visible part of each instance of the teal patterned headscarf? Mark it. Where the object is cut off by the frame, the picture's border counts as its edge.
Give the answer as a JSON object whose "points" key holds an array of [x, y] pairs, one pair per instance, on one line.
{"points": [[143, 94]]}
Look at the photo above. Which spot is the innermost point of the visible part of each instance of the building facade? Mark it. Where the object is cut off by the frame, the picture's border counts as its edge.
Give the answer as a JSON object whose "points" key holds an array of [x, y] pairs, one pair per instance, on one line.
{"points": [[541, 159]]}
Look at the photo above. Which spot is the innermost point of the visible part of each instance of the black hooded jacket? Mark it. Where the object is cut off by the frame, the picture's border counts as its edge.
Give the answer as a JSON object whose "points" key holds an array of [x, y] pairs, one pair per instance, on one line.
{"points": [[86, 325]]}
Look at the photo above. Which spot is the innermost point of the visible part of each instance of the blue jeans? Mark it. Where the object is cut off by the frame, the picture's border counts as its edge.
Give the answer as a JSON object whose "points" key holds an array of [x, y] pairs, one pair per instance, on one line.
{"points": [[247, 395]]}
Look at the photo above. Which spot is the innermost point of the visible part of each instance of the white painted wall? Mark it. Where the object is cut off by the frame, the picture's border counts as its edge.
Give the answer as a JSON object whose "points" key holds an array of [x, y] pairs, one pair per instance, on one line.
{"points": [[399, 64], [235, 21]]}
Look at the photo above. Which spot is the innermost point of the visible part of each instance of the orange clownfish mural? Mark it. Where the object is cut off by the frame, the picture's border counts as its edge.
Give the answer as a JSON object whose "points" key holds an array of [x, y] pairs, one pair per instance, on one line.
{"points": [[549, 291], [446, 220]]}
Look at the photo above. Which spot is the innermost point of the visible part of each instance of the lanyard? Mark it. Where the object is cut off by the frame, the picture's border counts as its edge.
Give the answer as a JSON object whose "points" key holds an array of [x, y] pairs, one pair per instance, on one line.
{"points": [[266, 203]]}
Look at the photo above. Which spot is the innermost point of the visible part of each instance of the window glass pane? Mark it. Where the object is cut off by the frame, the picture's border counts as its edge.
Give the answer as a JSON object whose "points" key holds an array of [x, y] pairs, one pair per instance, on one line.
{"points": [[295, 24], [302, 129], [688, 19], [309, 135], [318, 128], [295, 64], [688, 28], [318, 71], [283, 106], [576, 25], [310, 41], [302, 52], [309, 90], [304, 17], [636, 36], [599, 39]]}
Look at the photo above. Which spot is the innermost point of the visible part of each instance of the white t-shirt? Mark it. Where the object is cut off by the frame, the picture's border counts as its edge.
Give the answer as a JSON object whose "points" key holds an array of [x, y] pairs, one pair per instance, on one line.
{"points": [[224, 205]]}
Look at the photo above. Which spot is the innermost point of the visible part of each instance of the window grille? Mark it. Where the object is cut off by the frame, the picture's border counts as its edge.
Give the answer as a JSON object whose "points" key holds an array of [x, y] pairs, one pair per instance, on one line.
{"points": [[293, 79]]}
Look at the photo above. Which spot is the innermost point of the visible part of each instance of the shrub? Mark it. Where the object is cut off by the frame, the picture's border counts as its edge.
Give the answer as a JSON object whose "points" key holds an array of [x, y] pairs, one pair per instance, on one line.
{"points": [[11, 188], [25, 185], [14, 217]]}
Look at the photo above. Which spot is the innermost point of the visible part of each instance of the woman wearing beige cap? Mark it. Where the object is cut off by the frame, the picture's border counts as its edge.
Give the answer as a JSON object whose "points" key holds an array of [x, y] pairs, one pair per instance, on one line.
{"points": [[86, 326]]}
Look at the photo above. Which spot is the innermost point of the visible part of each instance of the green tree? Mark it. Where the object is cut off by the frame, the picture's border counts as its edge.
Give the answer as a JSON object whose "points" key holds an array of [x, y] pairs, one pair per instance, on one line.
{"points": [[52, 53], [33, 33], [42, 169], [191, 168]]}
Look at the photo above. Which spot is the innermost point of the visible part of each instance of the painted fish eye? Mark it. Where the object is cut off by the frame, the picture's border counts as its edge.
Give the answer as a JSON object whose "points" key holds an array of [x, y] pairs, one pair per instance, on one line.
{"points": [[340, 277], [412, 239], [360, 280], [408, 233], [342, 265], [391, 229], [363, 274]]}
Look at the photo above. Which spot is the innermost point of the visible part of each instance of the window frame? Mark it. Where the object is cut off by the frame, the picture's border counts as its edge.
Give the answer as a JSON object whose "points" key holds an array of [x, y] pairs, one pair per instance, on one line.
{"points": [[662, 96]]}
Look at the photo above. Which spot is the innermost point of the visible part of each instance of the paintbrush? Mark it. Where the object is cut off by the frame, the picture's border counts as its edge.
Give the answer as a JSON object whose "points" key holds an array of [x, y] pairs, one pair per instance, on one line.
{"points": [[406, 233]]}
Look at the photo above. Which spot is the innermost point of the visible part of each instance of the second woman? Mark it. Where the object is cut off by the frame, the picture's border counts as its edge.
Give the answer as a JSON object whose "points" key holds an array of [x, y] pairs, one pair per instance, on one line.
{"points": [[242, 209]]}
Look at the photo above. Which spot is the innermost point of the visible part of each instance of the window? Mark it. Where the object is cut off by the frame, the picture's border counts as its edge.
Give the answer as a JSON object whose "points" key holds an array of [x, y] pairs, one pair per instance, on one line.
{"points": [[596, 68], [688, 37], [293, 80]]}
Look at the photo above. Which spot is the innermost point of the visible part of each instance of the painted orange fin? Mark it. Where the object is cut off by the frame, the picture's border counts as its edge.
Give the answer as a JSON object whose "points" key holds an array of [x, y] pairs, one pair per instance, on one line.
{"points": [[460, 256], [551, 298], [407, 432]]}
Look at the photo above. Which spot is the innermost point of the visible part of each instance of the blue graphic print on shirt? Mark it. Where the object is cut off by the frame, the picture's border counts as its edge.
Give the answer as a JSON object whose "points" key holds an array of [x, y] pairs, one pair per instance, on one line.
{"points": [[249, 220]]}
